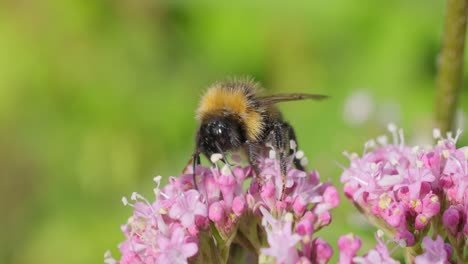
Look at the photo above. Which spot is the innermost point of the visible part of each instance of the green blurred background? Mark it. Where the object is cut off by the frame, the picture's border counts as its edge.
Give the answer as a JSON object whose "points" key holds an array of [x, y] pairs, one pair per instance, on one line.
{"points": [[97, 97]]}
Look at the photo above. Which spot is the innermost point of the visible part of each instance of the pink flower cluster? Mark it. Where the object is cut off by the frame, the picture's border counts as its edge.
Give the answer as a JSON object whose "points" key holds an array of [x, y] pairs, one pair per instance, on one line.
{"points": [[406, 190], [350, 244], [231, 205], [435, 251]]}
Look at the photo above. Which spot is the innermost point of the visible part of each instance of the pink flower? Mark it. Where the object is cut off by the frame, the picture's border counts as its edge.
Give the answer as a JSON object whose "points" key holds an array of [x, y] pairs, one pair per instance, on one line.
{"points": [[322, 251], [379, 254], [430, 204], [330, 199], [238, 205], [348, 246], [406, 236], [175, 250], [421, 221], [435, 252], [451, 220], [227, 184], [305, 228], [216, 212], [186, 207], [131, 258], [281, 240]]}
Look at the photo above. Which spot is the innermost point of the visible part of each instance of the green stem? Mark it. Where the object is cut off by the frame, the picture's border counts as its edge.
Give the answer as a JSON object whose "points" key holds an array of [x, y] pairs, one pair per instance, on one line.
{"points": [[207, 250], [450, 64], [409, 258], [245, 243], [411, 252]]}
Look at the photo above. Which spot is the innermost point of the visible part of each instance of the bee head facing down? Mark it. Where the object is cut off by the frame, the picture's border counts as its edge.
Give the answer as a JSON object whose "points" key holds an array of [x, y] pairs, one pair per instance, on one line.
{"points": [[233, 115], [220, 134]]}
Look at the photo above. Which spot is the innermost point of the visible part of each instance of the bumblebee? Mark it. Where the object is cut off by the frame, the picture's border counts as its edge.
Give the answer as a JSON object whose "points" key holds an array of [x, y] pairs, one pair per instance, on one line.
{"points": [[233, 115]]}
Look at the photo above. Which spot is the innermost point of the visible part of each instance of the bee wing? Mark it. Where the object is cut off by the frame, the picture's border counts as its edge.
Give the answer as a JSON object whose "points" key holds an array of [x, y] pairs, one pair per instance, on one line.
{"points": [[277, 98]]}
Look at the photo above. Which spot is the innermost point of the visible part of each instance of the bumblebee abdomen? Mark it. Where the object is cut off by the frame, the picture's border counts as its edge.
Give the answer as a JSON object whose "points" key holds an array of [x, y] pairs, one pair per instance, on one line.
{"points": [[236, 98]]}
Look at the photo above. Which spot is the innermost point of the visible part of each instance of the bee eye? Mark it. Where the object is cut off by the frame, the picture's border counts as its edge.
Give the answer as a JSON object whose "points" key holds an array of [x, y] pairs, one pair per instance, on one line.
{"points": [[218, 128], [219, 131]]}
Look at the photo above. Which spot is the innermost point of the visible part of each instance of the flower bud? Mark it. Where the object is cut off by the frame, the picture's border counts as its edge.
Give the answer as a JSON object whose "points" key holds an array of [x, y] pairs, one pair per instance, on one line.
{"points": [[431, 205], [268, 191], [451, 220], [331, 196], [324, 218], [406, 236], [299, 206], [202, 222], [216, 212], [323, 251], [421, 221], [305, 228], [238, 205], [348, 246]]}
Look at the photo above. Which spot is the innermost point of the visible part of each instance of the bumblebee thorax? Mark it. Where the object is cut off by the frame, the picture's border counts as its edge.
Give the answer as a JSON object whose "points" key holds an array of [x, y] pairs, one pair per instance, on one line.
{"points": [[235, 103]]}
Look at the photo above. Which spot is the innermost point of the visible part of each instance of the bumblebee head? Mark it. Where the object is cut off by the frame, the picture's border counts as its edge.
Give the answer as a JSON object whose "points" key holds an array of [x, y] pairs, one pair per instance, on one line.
{"points": [[218, 135]]}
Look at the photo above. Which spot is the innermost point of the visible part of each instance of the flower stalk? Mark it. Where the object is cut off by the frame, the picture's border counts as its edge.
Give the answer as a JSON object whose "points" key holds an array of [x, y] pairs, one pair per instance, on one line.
{"points": [[450, 64]]}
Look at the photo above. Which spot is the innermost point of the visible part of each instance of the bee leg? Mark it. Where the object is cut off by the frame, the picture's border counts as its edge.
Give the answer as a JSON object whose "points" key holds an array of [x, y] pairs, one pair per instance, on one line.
{"points": [[281, 146], [195, 162], [292, 136], [253, 153]]}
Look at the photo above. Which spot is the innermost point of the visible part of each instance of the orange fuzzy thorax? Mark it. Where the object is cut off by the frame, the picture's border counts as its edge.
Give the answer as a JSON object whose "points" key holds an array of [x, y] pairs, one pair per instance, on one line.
{"points": [[222, 101]]}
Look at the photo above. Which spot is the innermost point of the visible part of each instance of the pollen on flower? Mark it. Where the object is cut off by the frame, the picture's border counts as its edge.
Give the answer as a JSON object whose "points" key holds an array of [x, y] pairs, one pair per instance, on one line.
{"points": [[423, 219], [415, 203], [163, 210], [446, 154], [384, 201]]}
